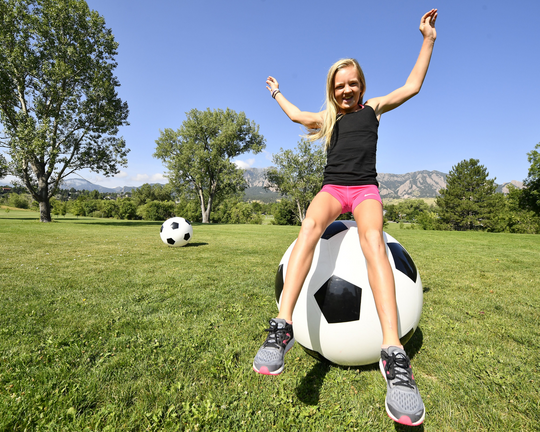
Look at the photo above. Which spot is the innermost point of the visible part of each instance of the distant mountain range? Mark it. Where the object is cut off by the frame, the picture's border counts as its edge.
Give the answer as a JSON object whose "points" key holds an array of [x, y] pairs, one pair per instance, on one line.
{"points": [[418, 184], [81, 184]]}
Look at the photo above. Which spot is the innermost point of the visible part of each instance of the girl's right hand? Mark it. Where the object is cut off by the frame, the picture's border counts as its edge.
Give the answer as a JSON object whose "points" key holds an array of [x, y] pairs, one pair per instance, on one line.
{"points": [[272, 84]]}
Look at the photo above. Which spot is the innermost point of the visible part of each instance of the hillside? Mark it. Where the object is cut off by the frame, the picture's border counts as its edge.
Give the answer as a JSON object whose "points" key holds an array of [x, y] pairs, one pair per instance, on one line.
{"points": [[418, 184]]}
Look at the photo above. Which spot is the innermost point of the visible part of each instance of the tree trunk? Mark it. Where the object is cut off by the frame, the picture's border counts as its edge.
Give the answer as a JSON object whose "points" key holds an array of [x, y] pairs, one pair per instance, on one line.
{"points": [[301, 212], [44, 200], [205, 215], [45, 210]]}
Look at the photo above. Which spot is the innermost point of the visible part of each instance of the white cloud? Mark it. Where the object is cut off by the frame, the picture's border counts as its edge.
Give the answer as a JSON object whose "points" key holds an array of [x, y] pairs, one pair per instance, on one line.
{"points": [[141, 178], [267, 155], [145, 178], [8, 180], [121, 174], [158, 178], [244, 165]]}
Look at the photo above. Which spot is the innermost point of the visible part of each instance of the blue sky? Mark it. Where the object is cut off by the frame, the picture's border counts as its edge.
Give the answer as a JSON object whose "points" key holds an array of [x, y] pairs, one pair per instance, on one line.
{"points": [[481, 97]]}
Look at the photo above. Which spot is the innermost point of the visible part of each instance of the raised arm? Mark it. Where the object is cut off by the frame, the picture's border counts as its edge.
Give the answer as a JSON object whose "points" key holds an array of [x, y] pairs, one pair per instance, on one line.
{"points": [[307, 119], [416, 78]]}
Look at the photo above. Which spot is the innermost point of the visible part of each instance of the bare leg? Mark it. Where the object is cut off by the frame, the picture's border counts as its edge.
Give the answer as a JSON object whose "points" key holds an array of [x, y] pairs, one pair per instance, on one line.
{"points": [[323, 210], [369, 219]]}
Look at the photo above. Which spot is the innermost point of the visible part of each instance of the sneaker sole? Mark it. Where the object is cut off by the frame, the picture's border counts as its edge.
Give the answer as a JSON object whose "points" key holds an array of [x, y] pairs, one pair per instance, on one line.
{"points": [[404, 420]]}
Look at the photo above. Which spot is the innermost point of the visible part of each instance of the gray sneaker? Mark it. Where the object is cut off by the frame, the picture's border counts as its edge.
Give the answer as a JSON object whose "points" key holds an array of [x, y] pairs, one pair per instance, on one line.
{"points": [[269, 358], [403, 401]]}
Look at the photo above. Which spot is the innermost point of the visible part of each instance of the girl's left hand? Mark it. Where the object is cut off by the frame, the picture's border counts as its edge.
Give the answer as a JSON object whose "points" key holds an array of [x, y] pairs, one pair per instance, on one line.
{"points": [[427, 24]]}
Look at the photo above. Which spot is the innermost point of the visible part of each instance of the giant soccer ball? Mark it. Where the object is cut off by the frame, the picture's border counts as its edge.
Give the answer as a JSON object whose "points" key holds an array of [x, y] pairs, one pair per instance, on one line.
{"points": [[335, 317], [176, 232]]}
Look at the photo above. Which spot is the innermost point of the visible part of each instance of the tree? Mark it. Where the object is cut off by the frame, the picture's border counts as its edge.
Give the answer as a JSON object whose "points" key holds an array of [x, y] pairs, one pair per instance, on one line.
{"points": [[198, 155], [147, 193], [530, 197], [469, 201], [298, 175], [518, 219], [58, 103], [284, 213]]}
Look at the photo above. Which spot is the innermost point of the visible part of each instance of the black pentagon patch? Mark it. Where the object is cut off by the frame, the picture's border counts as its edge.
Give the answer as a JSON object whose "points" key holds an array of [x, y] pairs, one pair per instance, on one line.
{"points": [[161, 230], [174, 225], [171, 241], [333, 229], [403, 261], [186, 237], [188, 222], [339, 300], [279, 282]]}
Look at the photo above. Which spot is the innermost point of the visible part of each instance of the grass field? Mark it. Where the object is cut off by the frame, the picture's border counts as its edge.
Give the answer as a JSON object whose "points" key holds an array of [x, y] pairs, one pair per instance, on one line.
{"points": [[104, 328]]}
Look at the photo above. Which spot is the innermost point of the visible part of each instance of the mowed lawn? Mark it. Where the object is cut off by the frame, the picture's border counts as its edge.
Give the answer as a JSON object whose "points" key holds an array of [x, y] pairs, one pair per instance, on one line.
{"points": [[104, 328]]}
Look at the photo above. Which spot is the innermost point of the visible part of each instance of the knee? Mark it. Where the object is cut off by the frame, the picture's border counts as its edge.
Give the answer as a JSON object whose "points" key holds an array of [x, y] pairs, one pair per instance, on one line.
{"points": [[372, 242], [310, 229]]}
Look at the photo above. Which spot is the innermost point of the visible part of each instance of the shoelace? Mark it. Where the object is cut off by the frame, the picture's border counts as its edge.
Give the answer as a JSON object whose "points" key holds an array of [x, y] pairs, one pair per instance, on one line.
{"points": [[397, 368], [274, 338]]}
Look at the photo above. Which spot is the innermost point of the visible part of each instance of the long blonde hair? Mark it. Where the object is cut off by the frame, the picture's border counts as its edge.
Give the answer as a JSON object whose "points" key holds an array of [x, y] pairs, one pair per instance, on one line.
{"points": [[331, 106]]}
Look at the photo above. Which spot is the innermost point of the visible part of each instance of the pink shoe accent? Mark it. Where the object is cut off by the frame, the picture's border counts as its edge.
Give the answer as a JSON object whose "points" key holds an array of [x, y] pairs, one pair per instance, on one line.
{"points": [[404, 420], [264, 370]]}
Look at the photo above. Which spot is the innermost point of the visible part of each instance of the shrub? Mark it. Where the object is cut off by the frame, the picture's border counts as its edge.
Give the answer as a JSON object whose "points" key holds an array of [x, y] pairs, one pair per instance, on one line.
{"points": [[19, 201], [157, 210]]}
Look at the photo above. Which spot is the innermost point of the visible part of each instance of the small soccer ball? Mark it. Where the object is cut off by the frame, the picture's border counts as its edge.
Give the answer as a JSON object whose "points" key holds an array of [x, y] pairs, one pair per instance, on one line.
{"points": [[176, 232], [335, 318]]}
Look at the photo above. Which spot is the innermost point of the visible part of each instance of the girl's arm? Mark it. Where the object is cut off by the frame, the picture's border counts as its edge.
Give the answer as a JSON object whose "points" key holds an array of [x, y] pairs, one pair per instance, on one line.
{"points": [[307, 119], [416, 78]]}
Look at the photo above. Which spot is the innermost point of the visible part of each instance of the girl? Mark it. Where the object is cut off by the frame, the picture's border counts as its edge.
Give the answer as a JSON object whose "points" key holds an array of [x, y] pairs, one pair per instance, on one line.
{"points": [[348, 127]]}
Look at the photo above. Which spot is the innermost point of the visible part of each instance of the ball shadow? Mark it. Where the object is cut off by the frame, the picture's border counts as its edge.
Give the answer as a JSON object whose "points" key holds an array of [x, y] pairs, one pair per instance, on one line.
{"points": [[195, 244], [415, 343], [309, 389]]}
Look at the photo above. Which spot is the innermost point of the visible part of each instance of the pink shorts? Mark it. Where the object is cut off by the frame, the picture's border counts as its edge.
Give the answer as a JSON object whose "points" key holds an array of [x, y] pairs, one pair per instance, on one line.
{"points": [[351, 196]]}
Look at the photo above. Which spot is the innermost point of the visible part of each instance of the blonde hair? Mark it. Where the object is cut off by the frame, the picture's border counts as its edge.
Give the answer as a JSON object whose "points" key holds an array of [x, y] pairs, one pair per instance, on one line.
{"points": [[331, 106]]}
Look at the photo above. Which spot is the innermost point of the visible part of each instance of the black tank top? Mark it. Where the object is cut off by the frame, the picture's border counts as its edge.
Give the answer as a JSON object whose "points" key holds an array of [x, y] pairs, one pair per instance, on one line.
{"points": [[352, 155]]}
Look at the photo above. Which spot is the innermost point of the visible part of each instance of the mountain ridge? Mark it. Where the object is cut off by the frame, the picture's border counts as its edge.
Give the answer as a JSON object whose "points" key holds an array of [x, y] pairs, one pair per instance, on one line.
{"points": [[416, 184]]}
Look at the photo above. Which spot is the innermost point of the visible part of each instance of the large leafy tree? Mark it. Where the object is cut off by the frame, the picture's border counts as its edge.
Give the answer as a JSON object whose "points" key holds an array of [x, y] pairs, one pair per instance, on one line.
{"points": [[59, 108], [530, 196], [469, 201], [298, 174], [198, 155]]}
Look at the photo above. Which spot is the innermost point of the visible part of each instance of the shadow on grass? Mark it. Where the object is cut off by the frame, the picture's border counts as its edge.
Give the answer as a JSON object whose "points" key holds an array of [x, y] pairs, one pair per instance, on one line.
{"points": [[415, 343], [194, 244], [310, 386], [309, 389], [403, 428]]}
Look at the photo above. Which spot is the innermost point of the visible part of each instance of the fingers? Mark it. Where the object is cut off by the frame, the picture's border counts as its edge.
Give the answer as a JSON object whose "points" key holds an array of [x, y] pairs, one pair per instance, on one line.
{"points": [[427, 24], [429, 17], [272, 83]]}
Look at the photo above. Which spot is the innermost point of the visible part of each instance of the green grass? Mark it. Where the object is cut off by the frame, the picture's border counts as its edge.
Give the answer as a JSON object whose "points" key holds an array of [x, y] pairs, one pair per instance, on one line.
{"points": [[102, 327]]}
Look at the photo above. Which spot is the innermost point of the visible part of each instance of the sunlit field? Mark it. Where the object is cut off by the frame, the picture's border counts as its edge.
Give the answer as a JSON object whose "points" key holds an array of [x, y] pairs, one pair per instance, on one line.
{"points": [[104, 328]]}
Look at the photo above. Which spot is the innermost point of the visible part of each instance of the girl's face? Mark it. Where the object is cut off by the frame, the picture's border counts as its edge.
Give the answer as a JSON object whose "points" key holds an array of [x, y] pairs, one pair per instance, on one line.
{"points": [[347, 89]]}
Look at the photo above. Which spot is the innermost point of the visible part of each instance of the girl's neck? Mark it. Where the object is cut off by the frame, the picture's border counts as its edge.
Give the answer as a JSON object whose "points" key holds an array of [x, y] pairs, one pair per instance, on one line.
{"points": [[358, 108]]}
